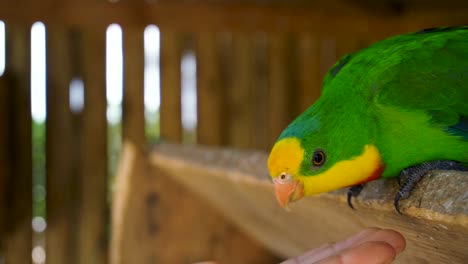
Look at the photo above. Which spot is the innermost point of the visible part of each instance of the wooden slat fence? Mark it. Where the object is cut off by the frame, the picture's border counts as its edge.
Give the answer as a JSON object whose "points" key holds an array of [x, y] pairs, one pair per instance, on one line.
{"points": [[258, 66]]}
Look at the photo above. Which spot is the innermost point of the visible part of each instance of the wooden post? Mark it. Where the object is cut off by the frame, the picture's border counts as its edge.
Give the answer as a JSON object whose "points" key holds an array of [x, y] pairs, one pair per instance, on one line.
{"points": [[327, 55], [281, 90], [170, 111], [309, 70], [19, 240], [133, 126], [259, 91], [61, 187], [238, 91], [4, 158], [93, 222], [210, 104], [347, 44]]}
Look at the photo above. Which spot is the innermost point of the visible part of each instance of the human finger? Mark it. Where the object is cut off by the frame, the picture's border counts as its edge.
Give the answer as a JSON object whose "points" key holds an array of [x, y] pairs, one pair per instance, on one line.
{"points": [[390, 237], [371, 252], [330, 249]]}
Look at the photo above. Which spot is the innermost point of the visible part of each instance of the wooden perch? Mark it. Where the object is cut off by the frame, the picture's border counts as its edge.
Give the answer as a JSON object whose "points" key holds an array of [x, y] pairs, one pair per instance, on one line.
{"points": [[434, 220], [157, 220]]}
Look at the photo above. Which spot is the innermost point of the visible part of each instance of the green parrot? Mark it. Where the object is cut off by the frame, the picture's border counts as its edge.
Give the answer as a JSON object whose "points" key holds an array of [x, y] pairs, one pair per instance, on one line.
{"points": [[398, 108]]}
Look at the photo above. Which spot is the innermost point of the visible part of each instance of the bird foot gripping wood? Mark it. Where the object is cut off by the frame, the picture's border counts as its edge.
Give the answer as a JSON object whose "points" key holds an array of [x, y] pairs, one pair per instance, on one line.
{"points": [[410, 176], [354, 192]]}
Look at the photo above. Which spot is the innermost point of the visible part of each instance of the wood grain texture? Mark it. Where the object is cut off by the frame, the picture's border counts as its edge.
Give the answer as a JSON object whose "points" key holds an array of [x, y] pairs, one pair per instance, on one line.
{"points": [[309, 70], [259, 82], [133, 127], [358, 16], [434, 220], [157, 220], [282, 89], [210, 92], [62, 205], [92, 239], [238, 87], [4, 157], [18, 244], [170, 111]]}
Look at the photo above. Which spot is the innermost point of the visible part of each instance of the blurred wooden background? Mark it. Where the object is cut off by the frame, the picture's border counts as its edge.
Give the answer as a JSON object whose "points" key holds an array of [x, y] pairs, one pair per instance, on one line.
{"points": [[259, 64]]}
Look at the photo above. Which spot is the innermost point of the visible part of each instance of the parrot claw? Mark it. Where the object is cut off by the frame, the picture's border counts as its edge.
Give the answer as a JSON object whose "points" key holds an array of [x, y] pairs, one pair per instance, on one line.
{"points": [[354, 191], [397, 200], [410, 176]]}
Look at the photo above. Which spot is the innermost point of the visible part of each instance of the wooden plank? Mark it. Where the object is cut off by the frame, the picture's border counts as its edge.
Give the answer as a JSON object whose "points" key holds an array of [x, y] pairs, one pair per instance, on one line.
{"points": [[280, 88], [346, 44], [60, 145], [19, 240], [258, 92], [327, 55], [210, 127], [238, 91], [308, 70], [250, 16], [92, 240], [237, 184], [133, 125], [170, 110], [156, 220], [4, 157]]}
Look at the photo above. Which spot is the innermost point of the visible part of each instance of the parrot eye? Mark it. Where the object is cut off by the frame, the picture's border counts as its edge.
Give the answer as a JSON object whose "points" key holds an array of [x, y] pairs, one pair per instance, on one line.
{"points": [[284, 178], [318, 159]]}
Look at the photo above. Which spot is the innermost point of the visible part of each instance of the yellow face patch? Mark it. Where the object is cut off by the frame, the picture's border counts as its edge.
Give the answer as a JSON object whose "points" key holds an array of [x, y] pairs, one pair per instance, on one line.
{"points": [[359, 169], [285, 157]]}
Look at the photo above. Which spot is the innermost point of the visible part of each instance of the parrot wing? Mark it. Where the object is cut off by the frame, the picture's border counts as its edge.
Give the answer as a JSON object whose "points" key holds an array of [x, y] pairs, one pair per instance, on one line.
{"points": [[432, 78]]}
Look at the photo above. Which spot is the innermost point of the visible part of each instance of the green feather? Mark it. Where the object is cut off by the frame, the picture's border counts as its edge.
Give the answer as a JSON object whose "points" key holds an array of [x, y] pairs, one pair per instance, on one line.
{"points": [[407, 95]]}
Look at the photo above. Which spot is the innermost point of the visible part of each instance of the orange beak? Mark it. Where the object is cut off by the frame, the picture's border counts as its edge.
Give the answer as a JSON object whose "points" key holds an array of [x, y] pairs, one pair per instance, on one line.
{"points": [[287, 192]]}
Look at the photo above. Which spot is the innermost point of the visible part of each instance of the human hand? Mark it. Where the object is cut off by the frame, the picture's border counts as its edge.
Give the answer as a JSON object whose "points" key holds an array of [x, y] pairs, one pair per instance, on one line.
{"points": [[370, 246]]}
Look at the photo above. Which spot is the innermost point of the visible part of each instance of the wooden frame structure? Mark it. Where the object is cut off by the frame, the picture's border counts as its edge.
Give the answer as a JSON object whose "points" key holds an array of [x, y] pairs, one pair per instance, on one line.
{"points": [[259, 63]]}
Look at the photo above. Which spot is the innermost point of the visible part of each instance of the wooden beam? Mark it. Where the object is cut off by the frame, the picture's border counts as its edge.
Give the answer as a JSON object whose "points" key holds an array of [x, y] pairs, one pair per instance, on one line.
{"points": [[19, 240], [237, 16], [238, 88], [259, 83], [327, 55], [157, 220], [281, 90], [61, 199], [171, 54], [210, 103], [237, 184], [133, 125], [93, 220], [4, 156], [309, 70]]}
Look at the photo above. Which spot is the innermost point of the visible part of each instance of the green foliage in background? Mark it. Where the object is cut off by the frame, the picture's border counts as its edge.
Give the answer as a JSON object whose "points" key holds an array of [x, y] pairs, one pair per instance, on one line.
{"points": [[39, 178]]}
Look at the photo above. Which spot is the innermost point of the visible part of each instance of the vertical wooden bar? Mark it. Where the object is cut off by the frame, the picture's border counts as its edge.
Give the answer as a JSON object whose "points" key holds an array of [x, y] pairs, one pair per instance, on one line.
{"points": [[210, 91], [4, 158], [19, 241], [259, 91], [133, 99], [327, 55], [238, 93], [170, 115], [93, 203], [309, 70], [280, 90], [347, 44], [61, 201]]}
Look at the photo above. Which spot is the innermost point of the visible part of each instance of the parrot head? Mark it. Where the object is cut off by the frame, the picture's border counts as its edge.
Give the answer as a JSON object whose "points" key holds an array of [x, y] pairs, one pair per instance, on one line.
{"points": [[315, 154]]}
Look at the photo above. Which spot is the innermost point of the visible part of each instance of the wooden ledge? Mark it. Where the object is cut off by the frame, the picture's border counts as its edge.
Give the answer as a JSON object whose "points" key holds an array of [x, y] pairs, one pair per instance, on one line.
{"points": [[434, 220]]}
